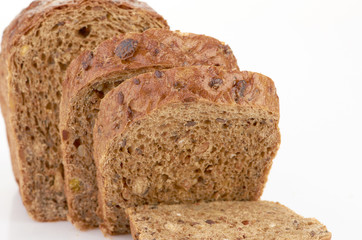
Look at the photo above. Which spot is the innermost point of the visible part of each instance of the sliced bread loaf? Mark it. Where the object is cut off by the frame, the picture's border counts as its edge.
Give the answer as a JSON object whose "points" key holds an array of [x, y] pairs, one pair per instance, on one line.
{"points": [[37, 48], [93, 74], [184, 135], [255, 220]]}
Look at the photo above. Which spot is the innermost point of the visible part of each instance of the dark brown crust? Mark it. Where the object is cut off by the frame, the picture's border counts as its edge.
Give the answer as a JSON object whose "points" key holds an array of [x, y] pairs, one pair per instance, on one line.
{"points": [[30, 17], [153, 93], [155, 48]]}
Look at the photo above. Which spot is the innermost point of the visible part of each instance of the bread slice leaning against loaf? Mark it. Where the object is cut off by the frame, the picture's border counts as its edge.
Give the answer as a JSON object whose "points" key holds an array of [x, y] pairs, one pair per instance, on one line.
{"points": [[184, 135], [37, 48], [93, 74], [253, 220]]}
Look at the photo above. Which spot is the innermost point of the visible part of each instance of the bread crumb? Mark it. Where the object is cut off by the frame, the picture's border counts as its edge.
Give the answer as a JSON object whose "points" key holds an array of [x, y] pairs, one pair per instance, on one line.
{"points": [[24, 50]]}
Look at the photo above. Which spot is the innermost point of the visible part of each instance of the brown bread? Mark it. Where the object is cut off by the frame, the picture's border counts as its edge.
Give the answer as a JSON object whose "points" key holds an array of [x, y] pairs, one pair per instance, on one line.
{"points": [[184, 135], [36, 50], [93, 74], [258, 220]]}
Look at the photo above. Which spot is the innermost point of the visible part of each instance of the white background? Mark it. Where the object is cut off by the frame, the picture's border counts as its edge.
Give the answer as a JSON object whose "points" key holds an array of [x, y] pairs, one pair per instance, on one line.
{"points": [[313, 51]]}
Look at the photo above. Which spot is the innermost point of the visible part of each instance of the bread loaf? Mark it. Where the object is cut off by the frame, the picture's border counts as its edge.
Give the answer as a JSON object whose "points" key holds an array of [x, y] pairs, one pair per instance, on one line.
{"points": [[95, 73], [37, 48], [184, 135], [256, 220]]}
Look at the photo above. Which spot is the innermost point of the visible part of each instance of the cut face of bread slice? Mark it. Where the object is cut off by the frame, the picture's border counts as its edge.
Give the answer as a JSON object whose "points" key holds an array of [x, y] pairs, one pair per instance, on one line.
{"points": [[93, 74], [37, 48], [184, 135], [255, 220]]}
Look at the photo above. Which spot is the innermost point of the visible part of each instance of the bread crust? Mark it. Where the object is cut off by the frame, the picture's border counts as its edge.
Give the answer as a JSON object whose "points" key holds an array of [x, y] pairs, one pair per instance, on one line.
{"points": [[106, 63], [5, 111], [156, 48], [154, 90], [30, 17], [40, 9]]}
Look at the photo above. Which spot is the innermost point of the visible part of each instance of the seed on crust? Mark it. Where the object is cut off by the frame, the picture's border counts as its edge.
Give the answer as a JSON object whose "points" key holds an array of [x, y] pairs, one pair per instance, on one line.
{"points": [[215, 83], [126, 48], [87, 61], [120, 98]]}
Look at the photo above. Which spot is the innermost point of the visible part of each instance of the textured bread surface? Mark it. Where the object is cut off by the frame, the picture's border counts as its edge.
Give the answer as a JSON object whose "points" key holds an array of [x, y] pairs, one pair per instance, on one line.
{"points": [[37, 48], [184, 135], [93, 74], [232, 220], [4, 109]]}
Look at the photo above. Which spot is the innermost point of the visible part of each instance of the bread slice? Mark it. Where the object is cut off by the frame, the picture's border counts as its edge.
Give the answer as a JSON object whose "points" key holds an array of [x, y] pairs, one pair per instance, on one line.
{"points": [[93, 74], [36, 49], [184, 135], [253, 220]]}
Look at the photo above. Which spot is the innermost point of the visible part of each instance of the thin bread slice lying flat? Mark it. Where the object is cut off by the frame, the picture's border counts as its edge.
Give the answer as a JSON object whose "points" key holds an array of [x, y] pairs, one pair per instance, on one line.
{"points": [[93, 74], [252, 220], [36, 50], [184, 135]]}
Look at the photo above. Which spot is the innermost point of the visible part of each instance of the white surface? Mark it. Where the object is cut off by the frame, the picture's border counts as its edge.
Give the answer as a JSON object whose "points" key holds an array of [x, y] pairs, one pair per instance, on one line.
{"points": [[313, 51]]}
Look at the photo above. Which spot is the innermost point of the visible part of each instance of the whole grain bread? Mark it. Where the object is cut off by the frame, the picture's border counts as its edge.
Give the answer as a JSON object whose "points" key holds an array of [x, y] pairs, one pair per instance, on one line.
{"points": [[37, 48], [184, 135], [252, 220], [93, 74]]}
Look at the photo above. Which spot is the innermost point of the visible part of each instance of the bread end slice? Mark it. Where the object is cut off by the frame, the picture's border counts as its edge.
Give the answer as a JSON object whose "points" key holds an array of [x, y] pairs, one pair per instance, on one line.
{"points": [[37, 48]]}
